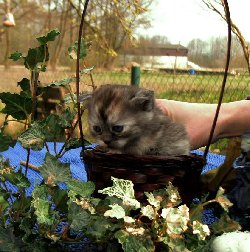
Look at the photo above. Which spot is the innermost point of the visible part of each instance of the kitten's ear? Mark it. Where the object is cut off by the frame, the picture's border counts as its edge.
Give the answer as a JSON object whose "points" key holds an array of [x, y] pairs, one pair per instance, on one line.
{"points": [[144, 99], [85, 97]]}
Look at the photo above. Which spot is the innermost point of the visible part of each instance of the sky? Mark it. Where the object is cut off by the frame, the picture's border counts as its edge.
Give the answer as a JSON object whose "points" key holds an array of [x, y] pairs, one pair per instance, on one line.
{"points": [[184, 20]]}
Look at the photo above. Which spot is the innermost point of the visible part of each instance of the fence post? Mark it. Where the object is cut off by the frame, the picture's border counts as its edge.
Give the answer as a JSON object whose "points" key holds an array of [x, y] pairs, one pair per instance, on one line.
{"points": [[135, 75]]}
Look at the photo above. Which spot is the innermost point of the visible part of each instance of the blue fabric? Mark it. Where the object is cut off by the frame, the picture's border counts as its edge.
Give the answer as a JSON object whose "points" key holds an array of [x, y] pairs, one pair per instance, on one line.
{"points": [[18, 153]]}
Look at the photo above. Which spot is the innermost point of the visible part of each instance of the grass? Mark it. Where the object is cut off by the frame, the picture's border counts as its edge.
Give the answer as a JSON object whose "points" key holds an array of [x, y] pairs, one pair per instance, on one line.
{"points": [[183, 87]]}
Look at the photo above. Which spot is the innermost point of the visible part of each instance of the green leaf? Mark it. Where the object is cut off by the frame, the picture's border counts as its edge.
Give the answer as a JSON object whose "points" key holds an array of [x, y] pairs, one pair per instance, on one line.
{"points": [[17, 178], [36, 55], [79, 218], [25, 86], [223, 200], [22, 206], [44, 213], [154, 201], [3, 205], [176, 219], [52, 128], [74, 143], [5, 142], [80, 188], [134, 243], [116, 212], [50, 36], [87, 70], [225, 224], [100, 227], [66, 118], [173, 194], [16, 56], [201, 230], [7, 242], [18, 106], [27, 226], [148, 211], [122, 189], [53, 171], [176, 245], [73, 50], [63, 83], [33, 137], [60, 198]]}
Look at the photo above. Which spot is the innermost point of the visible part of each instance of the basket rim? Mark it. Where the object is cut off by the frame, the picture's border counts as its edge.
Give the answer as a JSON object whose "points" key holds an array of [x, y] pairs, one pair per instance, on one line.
{"points": [[193, 161]]}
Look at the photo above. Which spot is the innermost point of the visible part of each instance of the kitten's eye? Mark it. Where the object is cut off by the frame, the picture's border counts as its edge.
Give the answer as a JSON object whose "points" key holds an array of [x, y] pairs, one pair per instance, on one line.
{"points": [[97, 129], [117, 128]]}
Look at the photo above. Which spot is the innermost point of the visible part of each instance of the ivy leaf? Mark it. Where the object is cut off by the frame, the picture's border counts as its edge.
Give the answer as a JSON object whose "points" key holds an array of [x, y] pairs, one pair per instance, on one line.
{"points": [[153, 200], [73, 50], [60, 198], [36, 55], [18, 106], [16, 56], [5, 142], [80, 188], [148, 211], [27, 226], [63, 83], [3, 205], [17, 178], [225, 224], [74, 143], [201, 230], [66, 118], [25, 86], [33, 137], [173, 194], [7, 242], [134, 243], [53, 171], [44, 213], [52, 128], [87, 70], [50, 36], [122, 189], [223, 200], [100, 227], [177, 245], [116, 212], [22, 206], [79, 218]]}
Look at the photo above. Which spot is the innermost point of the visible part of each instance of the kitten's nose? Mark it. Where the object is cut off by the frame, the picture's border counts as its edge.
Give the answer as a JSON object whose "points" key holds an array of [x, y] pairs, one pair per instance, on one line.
{"points": [[107, 142]]}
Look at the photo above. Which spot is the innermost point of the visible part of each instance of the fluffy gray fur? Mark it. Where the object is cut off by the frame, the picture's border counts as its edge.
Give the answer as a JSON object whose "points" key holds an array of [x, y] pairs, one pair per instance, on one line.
{"points": [[125, 120]]}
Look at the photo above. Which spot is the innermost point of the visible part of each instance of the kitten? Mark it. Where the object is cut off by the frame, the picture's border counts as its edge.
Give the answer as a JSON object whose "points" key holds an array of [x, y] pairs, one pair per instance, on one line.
{"points": [[125, 120]]}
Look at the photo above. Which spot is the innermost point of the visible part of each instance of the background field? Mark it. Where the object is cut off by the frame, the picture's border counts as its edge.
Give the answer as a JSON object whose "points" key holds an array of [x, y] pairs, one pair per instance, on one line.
{"points": [[181, 86]]}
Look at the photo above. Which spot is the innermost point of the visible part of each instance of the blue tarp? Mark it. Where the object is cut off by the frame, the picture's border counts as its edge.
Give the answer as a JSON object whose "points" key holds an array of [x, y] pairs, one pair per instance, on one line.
{"points": [[18, 154]]}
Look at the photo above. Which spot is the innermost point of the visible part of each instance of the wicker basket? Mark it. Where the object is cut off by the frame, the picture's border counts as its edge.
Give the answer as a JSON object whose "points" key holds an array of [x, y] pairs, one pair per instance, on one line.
{"points": [[148, 173]]}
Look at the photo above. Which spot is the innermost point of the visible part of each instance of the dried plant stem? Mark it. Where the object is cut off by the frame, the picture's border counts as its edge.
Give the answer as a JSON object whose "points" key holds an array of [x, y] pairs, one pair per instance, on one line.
{"points": [[31, 166], [227, 12], [78, 71]]}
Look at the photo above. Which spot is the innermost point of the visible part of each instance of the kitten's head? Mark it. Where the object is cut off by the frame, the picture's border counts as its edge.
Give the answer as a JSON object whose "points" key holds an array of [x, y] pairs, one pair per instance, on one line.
{"points": [[117, 113]]}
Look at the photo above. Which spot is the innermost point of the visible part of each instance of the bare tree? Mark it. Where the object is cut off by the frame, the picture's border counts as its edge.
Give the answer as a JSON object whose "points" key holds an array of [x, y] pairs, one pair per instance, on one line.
{"points": [[218, 7], [108, 26]]}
